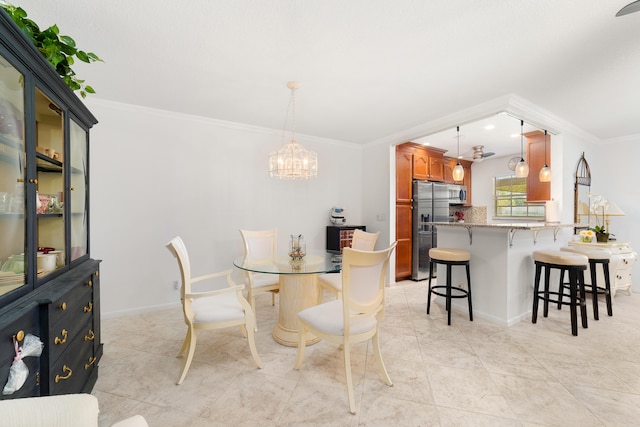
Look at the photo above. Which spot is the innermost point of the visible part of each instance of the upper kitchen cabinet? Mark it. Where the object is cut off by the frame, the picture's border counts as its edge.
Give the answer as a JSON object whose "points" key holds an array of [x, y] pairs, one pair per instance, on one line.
{"points": [[538, 153], [404, 163], [49, 285], [428, 163]]}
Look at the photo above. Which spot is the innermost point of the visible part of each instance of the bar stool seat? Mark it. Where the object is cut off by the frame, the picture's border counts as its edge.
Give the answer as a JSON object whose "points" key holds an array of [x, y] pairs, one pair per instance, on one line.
{"points": [[574, 264], [449, 257], [596, 256]]}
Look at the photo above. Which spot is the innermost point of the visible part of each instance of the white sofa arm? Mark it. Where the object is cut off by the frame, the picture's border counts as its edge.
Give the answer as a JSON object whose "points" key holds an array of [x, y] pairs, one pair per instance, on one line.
{"points": [[67, 410]]}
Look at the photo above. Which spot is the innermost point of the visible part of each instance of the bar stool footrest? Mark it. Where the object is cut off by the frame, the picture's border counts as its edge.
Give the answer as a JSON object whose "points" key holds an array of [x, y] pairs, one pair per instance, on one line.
{"points": [[461, 293]]}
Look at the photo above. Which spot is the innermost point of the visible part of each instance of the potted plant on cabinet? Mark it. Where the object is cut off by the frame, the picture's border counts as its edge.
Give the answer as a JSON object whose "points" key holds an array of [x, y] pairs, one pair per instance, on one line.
{"points": [[58, 50], [599, 205]]}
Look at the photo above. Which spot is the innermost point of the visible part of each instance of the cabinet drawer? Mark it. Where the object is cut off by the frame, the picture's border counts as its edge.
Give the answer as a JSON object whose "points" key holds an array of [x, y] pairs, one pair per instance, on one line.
{"points": [[72, 369], [73, 304], [64, 334]]}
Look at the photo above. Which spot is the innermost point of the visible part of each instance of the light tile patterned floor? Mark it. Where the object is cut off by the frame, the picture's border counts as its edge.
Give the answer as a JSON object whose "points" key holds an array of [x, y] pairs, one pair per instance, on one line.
{"points": [[467, 374]]}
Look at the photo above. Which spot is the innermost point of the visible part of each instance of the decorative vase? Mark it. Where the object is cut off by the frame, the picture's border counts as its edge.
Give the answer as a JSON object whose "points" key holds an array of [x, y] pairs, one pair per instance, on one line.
{"points": [[297, 250], [602, 237]]}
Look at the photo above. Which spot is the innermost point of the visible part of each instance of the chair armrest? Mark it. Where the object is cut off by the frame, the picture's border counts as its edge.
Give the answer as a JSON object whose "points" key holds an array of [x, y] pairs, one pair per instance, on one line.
{"points": [[236, 288], [213, 275]]}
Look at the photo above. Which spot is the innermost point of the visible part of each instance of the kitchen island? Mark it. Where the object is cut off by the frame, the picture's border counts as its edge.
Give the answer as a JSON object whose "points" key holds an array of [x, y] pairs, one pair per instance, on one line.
{"points": [[502, 269]]}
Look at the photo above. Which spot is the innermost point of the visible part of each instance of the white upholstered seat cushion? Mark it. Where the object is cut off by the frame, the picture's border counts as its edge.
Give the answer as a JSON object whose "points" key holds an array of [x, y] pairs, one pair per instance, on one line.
{"points": [[560, 258], [449, 254], [328, 317], [219, 308]]}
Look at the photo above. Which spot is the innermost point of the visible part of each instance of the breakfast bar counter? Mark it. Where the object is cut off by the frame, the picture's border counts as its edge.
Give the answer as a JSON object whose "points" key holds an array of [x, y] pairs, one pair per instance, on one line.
{"points": [[502, 269]]}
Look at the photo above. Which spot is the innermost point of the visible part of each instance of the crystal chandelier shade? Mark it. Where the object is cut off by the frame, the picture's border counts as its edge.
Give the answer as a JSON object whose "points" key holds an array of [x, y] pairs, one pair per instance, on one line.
{"points": [[293, 161]]}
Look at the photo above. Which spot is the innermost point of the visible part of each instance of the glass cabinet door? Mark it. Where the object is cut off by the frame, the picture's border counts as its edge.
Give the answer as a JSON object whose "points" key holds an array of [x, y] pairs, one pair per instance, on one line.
{"points": [[50, 185], [12, 177], [78, 140]]}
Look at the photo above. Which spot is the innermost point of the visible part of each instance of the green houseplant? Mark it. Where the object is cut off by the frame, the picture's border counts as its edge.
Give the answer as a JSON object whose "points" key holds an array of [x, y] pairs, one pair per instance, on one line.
{"points": [[59, 50]]}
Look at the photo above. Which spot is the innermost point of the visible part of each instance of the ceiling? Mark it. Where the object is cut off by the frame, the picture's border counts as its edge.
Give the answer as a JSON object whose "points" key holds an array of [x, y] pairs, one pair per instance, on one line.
{"points": [[368, 69]]}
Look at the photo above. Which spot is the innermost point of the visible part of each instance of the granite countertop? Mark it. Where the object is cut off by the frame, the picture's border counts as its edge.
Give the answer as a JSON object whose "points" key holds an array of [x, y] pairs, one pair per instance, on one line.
{"points": [[505, 226]]}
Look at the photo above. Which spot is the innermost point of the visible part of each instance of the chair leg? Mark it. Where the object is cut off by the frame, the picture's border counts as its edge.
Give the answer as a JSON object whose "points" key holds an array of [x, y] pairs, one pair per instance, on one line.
{"points": [[583, 299], [536, 289], [191, 333], [252, 343], [185, 344], [607, 281], [469, 292], [594, 290], [252, 302], [573, 292], [545, 309], [378, 355], [429, 293], [301, 345], [561, 289], [347, 372], [448, 301]]}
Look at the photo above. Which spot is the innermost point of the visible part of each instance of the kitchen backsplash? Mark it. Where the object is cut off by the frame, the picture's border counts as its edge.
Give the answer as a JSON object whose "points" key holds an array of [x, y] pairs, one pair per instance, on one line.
{"points": [[472, 214]]}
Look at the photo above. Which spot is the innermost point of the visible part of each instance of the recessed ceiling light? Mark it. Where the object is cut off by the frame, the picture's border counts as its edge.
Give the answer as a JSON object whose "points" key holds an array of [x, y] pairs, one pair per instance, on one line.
{"points": [[489, 127], [515, 135]]}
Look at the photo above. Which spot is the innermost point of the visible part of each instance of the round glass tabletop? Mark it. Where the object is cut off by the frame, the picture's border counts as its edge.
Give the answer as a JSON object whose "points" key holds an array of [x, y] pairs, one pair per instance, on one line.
{"points": [[312, 263]]}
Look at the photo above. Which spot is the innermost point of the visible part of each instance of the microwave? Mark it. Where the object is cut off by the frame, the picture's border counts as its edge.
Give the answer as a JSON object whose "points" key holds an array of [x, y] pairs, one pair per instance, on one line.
{"points": [[457, 194]]}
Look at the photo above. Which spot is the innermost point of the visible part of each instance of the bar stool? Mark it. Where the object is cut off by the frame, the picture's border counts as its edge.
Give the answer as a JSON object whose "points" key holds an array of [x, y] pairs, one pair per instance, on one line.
{"points": [[596, 256], [573, 263], [450, 257]]}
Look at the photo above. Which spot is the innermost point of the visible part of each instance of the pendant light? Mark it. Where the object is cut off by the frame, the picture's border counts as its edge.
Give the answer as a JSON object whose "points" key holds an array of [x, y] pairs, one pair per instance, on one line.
{"points": [[522, 168], [293, 161], [545, 172], [458, 170]]}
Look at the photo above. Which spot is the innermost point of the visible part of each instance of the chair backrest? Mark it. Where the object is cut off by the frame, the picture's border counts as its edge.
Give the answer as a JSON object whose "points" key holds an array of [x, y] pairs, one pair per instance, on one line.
{"points": [[364, 241], [259, 245], [364, 276], [179, 250]]}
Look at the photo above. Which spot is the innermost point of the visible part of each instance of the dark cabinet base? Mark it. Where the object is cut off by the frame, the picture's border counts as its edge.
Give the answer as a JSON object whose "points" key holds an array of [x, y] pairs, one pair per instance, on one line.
{"points": [[65, 315]]}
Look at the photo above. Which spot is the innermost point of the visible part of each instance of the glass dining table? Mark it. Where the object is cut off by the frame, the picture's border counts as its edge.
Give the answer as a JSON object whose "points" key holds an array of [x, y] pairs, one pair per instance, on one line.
{"points": [[298, 289]]}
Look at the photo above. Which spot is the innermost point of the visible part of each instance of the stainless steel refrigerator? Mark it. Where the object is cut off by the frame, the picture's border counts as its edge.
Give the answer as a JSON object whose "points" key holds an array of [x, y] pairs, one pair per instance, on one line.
{"points": [[430, 204]]}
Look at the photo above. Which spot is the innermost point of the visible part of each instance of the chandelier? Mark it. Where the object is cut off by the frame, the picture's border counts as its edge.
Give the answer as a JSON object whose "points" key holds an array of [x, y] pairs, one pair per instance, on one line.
{"points": [[293, 161]]}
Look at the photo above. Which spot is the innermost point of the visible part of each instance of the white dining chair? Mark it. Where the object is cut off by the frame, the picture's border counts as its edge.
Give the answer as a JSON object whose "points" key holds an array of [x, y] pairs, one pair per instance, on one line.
{"points": [[354, 318], [260, 246], [223, 307], [332, 282]]}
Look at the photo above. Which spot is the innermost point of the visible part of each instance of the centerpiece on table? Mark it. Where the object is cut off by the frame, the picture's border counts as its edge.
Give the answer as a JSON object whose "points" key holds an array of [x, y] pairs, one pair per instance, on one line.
{"points": [[297, 250], [598, 206]]}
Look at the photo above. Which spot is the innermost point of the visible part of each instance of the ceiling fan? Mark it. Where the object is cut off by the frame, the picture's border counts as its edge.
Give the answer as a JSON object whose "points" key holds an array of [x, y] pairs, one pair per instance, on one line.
{"points": [[478, 154], [630, 8]]}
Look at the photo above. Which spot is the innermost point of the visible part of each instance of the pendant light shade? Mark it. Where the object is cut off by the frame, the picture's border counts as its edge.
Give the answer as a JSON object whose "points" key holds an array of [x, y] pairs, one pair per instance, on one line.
{"points": [[293, 161], [458, 170], [545, 172], [522, 168]]}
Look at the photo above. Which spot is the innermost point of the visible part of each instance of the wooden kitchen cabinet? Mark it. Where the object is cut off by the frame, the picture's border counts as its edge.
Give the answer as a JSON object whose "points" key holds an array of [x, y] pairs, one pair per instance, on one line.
{"points": [[404, 163], [537, 191], [428, 163], [449, 164], [404, 239]]}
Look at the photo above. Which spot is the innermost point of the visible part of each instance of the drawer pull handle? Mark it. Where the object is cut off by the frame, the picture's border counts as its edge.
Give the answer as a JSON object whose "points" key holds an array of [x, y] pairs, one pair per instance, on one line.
{"points": [[88, 308], [64, 334], [33, 181], [90, 362], [66, 369], [90, 336], [20, 335], [97, 273], [89, 283], [63, 306]]}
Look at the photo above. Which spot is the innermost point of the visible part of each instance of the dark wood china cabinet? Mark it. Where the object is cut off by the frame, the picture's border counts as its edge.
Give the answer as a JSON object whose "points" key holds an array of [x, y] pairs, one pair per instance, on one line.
{"points": [[49, 284]]}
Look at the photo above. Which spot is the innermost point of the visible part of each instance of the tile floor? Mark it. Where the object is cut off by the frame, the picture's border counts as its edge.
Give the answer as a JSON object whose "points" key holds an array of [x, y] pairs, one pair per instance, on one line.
{"points": [[467, 374]]}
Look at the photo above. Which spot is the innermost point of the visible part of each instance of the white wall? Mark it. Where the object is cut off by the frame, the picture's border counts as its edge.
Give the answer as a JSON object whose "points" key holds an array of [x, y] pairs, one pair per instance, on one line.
{"points": [[157, 174]]}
